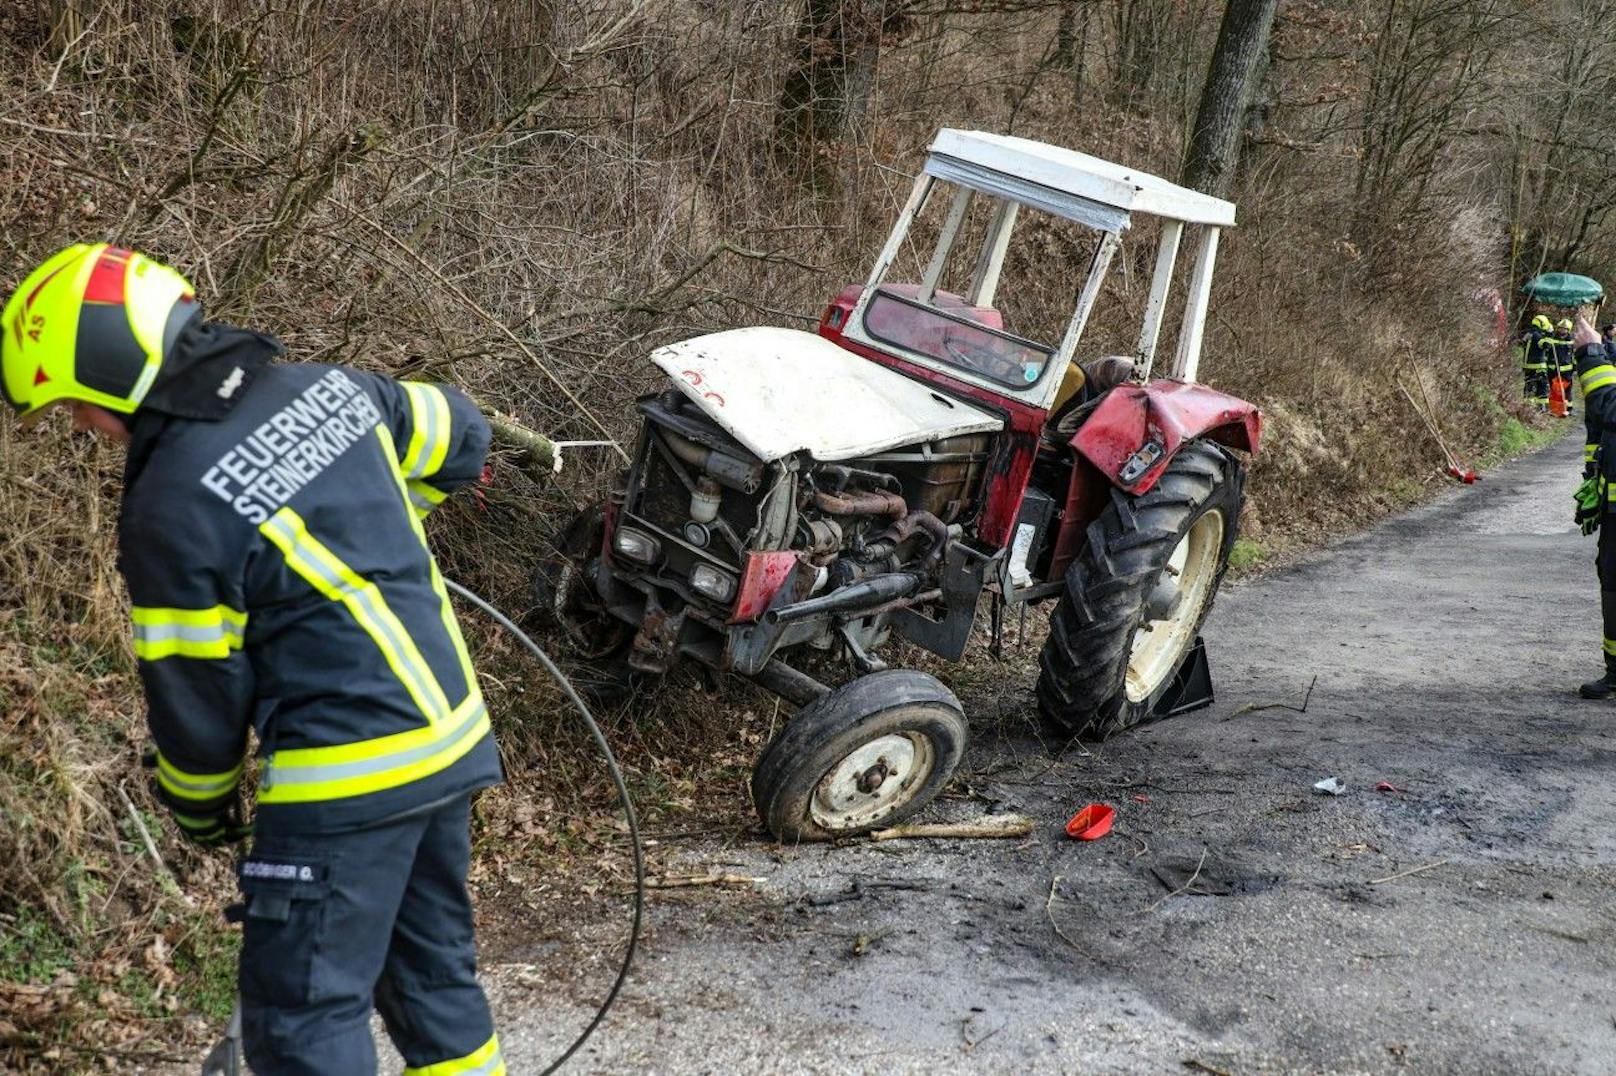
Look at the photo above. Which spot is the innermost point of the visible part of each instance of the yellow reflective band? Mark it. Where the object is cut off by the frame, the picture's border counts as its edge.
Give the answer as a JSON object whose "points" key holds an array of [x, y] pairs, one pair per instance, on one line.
{"points": [[1596, 377], [1610, 646], [1588, 452], [306, 556], [483, 1061], [430, 430], [450, 624], [195, 786], [424, 498], [195, 824], [303, 775], [190, 633]]}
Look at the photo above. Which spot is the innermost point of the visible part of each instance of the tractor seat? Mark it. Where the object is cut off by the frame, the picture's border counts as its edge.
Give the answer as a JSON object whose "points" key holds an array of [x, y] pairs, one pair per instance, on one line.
{"points": [[1100, 376]]}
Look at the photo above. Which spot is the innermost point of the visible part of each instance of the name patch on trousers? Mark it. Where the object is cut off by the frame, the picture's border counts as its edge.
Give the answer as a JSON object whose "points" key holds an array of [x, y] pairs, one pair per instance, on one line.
{"points": [[268, 466], [275, 870]]}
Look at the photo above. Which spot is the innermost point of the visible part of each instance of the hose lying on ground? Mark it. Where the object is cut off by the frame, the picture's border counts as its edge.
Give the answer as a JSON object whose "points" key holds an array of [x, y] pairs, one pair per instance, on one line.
{"points": [[622, 792]]}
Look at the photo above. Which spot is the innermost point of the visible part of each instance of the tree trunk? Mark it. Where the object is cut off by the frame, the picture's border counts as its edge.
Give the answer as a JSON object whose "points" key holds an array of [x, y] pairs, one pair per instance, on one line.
{"points": [[1215, 141], [833, 75]]}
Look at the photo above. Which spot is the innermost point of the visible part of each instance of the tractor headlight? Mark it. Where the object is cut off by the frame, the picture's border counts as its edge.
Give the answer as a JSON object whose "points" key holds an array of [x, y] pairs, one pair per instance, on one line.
{"points": [[712, 583], [637, 545]]}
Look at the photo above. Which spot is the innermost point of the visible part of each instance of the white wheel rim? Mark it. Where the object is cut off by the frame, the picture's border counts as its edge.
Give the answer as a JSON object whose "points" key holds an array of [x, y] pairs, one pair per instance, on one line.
{"points": [[1159, 646], [872, 781]]}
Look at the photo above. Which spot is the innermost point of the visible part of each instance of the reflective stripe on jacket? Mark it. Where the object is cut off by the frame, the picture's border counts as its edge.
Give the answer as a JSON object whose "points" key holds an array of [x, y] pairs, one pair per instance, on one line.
{"points": [[281, 580], [1596, 376]]}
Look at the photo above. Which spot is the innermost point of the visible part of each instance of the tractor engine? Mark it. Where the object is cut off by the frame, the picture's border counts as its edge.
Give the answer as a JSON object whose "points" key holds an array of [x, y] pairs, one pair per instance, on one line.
{"points": [[863, 536]]}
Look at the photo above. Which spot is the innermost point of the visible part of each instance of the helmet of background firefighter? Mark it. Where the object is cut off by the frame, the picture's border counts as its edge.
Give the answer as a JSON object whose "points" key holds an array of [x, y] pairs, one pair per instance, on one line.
{"points": [[1565, 326], [93, 323]]}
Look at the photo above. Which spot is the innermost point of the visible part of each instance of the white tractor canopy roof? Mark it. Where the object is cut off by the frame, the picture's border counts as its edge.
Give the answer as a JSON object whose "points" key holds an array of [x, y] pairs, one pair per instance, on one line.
{"points": [[1065, 182], [779, 391]]}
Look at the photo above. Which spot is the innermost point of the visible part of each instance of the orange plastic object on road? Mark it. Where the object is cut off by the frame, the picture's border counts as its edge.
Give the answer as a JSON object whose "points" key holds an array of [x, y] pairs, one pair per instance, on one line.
{"points": [[1092, 822]]}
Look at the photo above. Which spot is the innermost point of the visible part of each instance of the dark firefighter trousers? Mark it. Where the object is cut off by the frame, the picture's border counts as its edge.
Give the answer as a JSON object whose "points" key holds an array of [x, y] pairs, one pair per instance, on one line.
{"points": [[339, 923], [1606, 564]]}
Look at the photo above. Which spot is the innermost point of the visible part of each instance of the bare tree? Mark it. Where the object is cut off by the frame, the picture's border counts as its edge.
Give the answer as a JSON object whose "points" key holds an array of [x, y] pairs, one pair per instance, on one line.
{"points": [[1214, 147]]}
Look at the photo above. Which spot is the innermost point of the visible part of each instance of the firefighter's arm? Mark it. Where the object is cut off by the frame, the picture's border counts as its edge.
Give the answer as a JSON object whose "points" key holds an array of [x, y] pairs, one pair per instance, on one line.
{"points": [[440, 437], [190, 621]]}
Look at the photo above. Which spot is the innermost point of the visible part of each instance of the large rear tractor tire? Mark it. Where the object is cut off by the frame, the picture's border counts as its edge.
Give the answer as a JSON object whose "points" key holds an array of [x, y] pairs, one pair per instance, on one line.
{"points": [[1138, 593], [564, 599], [861, 757]]}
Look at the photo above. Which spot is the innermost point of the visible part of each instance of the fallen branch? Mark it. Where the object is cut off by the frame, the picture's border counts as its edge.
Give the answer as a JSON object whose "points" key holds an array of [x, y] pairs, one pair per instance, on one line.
{"points": [[1253, 707], [165, 877], [992, 827], [691, 880], [539, 449], [1181, 889], [1411, 870]]}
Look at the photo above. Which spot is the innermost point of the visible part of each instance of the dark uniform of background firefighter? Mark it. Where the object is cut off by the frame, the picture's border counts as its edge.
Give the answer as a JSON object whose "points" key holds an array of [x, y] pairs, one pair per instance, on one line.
{"points": [[1537, 357], [1565, 363], [1597, 376], [271, 539]]}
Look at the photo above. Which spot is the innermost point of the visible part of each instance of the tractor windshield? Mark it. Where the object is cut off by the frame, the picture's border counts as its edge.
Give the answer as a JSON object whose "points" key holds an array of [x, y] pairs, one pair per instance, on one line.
{"points": [[955, 333]]}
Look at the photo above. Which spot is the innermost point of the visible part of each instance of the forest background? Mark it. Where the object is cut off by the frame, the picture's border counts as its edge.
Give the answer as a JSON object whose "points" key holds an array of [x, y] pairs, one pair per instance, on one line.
{"points": [[525, 198]]}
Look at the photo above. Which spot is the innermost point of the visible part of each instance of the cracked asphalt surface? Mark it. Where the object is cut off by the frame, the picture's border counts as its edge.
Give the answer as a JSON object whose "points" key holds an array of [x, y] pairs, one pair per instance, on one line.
{"points": [[1464, 923]]}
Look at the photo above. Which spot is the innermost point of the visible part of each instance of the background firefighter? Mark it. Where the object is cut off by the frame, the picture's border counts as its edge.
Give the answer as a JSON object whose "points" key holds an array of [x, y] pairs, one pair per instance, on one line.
{"points": [[1597, 377], [1537, 358], [270, 536], [1565, 362]]}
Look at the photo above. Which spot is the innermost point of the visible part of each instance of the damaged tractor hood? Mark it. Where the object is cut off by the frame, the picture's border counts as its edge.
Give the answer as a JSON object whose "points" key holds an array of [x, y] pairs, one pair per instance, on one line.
{"points": [[779, 391]]}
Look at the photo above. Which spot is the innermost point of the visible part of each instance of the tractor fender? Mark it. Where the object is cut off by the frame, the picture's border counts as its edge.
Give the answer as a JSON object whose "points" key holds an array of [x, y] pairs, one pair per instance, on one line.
{"points": [[1137, 429]]}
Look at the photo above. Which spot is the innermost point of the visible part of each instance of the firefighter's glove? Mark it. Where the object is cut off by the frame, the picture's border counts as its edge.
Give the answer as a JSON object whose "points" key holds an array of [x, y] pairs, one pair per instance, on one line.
{"points": [[1589, 496], [214, 830]]}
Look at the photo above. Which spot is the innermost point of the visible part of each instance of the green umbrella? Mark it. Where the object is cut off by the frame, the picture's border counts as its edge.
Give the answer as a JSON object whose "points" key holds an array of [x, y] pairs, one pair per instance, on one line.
{"points": [[1564, 289]]}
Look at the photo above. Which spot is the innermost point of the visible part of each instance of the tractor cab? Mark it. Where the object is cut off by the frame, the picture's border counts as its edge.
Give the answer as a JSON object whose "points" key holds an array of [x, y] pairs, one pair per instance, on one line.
{"points": [[963, 337]]}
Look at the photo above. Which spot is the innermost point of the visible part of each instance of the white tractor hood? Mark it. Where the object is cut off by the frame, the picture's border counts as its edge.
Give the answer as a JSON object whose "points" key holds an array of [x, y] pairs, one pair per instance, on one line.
{"points": [[779, 391]]}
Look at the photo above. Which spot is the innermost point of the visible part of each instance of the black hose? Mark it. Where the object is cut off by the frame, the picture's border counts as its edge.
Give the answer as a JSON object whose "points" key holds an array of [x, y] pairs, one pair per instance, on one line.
{"points": [[622, 792]]}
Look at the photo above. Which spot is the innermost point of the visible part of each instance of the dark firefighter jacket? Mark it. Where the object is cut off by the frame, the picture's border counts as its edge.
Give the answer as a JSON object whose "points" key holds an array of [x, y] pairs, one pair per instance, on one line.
{"points": [[271, 540], [1538, 353], [1564, 361], [1597, 377]]}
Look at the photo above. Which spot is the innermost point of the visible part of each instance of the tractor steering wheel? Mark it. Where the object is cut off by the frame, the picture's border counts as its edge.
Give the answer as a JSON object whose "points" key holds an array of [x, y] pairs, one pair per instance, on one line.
{"points": [[976, 357]]}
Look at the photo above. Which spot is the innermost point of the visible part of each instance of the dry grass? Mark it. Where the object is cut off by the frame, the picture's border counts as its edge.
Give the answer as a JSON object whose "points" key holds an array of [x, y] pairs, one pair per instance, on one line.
{"points": [[411, 187]]}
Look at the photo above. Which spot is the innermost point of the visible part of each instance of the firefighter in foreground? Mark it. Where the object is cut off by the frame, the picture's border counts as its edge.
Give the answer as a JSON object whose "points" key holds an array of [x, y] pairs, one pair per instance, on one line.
{"points": [[1596, 497], [1537, 357], [271, 540]]}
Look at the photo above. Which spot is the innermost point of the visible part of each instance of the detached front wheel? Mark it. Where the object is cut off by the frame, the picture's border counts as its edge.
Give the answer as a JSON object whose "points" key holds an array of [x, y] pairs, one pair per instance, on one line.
{"points": [[861, 757], [1138, 593]]}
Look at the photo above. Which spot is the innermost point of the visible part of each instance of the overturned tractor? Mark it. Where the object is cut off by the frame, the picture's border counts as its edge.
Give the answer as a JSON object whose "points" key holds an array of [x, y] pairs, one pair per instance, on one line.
{"points": [[794, 493]]}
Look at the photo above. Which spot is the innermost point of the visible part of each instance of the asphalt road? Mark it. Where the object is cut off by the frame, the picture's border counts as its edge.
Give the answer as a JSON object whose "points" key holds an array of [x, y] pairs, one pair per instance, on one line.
{"points": [[1464, 923]]}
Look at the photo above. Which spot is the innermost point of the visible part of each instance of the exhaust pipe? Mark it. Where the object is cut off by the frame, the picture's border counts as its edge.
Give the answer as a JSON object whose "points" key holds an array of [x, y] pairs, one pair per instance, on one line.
{"points": [[877, 590]]}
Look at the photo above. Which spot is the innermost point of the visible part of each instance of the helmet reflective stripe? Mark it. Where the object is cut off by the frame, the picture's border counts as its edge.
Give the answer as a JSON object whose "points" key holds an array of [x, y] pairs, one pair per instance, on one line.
{"points": [[93, 323]]}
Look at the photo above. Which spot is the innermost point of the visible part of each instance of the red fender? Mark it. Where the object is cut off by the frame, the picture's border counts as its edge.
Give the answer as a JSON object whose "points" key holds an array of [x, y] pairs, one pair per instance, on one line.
{"points": [[1137, 429]]}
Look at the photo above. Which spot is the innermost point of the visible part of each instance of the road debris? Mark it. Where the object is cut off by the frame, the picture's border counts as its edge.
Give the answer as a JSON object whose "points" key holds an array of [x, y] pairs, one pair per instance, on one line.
{"points": [[1253, 707], [1092, 822], [1387, 786], [1407, 873], [987, 828], [691, 880], [1330, 786]]}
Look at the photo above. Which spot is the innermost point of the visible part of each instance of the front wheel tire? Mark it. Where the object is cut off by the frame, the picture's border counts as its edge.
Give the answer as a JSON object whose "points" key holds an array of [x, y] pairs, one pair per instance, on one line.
{"points": [[1138, 593], [861, 757]]}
